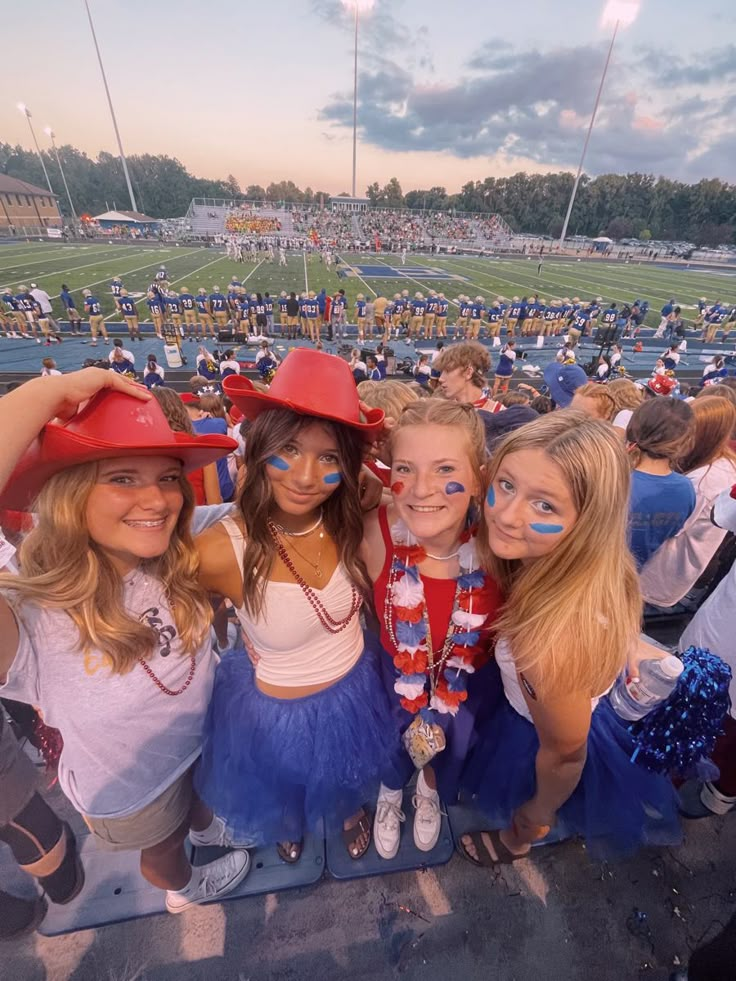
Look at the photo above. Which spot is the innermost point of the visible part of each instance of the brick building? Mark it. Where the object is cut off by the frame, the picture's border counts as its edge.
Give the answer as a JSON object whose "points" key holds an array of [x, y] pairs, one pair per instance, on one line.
{"points": [[23, 205]]}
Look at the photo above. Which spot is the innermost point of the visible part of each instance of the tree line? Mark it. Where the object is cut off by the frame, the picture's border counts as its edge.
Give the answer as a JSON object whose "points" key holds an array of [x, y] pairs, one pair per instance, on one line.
{"points": [[620, 205]]}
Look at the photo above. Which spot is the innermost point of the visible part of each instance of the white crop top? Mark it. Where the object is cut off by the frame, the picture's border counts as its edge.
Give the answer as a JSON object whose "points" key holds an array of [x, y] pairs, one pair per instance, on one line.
{"points": [[510, 678], [294, 648]]}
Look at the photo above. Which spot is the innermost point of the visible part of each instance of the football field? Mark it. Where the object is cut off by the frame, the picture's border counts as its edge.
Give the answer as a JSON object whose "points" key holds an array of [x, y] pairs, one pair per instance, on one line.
{"points": [[94, 265]]}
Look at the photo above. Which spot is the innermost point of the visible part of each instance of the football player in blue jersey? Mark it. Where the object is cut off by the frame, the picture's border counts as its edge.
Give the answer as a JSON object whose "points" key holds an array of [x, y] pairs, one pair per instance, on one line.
{"points": [[477, 310], [268, 304], [172, 309], [580, 326], [430, 315], [93, 309], [162, 277], [283, 302], [495, 315], [218, 306], [189, 307], [204, 313], [310, 311], [16, 312], [360, 315], [418, 310], [156, 309], [116, 287], [529, 324], [129, 312], [443, 307]]}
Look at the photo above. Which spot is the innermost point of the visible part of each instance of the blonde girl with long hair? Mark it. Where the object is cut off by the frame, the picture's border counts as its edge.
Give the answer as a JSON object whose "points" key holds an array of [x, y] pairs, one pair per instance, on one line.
{"points": [[106, 628], [436, 610], [554, 536]]}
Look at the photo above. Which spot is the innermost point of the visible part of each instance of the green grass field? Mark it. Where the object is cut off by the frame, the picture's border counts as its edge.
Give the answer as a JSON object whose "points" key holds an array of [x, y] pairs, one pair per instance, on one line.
{"points": [[94, 265]]}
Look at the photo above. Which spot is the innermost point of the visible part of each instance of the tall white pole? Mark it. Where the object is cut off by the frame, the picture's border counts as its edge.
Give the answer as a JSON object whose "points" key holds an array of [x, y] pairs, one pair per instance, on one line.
{"points": [[112, 111], [27, 113], [587, 138], [355, 102], [50, 133]]}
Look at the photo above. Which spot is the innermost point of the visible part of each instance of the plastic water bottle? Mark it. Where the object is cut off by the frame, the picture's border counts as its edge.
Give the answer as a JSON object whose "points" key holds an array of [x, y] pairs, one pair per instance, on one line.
{"points": [[633, 700]]}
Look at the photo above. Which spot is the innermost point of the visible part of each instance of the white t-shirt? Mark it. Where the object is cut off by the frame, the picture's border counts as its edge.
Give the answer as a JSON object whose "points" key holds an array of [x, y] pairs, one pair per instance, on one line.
{"points": [[234, 366], [43, 299], [125, 741], [128, 355], [48, 372], [155, 370]]}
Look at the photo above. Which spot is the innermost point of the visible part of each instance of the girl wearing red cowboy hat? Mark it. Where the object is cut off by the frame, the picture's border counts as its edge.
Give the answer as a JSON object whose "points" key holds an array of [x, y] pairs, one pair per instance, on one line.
{"points": [[305, 730], [106, 627]]}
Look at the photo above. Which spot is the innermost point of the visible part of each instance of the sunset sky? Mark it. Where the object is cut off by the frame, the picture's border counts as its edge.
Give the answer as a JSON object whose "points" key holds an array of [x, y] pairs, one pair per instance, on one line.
{"points": [[263, 90]]}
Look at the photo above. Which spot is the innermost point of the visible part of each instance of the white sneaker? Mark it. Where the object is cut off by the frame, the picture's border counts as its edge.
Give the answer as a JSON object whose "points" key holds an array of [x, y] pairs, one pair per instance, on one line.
{"points": [[215, 834], [210, 882], [427, 816], [387, 823]]}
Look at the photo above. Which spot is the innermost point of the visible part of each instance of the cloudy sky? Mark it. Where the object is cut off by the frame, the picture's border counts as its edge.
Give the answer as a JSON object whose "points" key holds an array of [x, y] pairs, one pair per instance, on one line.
{"points": [[449, 91]]}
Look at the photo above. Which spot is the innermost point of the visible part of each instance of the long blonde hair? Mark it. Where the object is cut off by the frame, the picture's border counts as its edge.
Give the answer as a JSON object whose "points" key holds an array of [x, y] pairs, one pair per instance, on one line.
{"points": [[572, 616], [62, 568]]}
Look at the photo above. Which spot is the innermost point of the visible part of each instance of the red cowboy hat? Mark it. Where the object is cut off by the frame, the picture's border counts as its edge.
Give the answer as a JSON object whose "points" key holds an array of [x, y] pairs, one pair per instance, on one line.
{"points": [[312, 384], [112, 424], [662, 385]]}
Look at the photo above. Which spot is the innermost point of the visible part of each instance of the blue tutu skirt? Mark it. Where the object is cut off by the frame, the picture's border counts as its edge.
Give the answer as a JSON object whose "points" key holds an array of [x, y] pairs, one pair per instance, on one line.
{"points": [[485, 695], [617, 807], [271, 768]]}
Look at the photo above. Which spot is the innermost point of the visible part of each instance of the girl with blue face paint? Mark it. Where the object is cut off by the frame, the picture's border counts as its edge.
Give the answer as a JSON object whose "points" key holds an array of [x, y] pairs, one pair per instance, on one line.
{"points": [[280, 746], [554, 533], [436, 609]]}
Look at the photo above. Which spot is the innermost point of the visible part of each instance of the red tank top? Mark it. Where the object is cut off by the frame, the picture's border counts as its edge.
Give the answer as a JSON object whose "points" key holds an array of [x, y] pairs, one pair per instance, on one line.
{"points": [[439, 595]]}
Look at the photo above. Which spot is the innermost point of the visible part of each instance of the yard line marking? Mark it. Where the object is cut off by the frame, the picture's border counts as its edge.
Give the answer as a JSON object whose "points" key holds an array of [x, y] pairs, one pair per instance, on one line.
{"points": [[363, 281], [63, 272], [127, 273], [306, 277], [116, 313]]}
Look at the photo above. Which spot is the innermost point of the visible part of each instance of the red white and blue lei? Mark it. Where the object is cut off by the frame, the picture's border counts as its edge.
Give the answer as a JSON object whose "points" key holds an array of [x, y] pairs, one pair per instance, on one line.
{"points": [[435, 680]]}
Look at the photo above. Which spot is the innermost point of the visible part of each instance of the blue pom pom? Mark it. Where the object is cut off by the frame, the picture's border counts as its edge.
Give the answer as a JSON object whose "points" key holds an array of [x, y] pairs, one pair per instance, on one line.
{"points": [[411, 570], [678, 735], [471, 580]]}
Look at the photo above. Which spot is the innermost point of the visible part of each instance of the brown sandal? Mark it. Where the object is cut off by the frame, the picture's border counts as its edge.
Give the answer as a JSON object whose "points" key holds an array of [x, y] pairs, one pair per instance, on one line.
{"points": [[350, 836], [484, 859]]}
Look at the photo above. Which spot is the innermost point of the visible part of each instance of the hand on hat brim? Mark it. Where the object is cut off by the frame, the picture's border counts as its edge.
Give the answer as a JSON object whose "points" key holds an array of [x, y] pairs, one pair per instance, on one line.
{"points": [[77, 388]]}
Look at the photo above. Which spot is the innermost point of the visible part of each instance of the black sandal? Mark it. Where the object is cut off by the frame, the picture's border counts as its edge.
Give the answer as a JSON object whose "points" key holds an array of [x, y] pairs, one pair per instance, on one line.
{"points": [[484, 859], [350, 836], [293, 853]]}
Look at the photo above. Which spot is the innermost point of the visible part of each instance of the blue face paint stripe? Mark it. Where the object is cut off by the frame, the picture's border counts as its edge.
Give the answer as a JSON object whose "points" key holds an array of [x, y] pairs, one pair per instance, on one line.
{"points": [[454, 488], [278, 462], [491, 497], [542, 529], [332, 478]]}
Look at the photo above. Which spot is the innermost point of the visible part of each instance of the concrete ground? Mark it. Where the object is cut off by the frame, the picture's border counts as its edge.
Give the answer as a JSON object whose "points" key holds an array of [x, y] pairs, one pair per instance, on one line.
{"points": [[553, 917]]}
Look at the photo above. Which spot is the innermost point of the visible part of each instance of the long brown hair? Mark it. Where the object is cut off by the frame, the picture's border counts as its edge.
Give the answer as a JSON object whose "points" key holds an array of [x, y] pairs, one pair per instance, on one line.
{"points": [[63, 568], [572, 615], [343, 519], [661, 428], [715, 421]]}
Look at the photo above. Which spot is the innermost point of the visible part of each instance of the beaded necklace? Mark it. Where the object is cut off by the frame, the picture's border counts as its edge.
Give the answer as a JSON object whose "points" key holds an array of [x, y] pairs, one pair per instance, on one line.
{"points": [[331, 625], [433, 679]]}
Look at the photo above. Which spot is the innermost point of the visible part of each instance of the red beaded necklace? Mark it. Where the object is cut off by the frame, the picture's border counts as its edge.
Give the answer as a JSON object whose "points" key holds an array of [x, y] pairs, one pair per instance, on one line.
{"points": [[161, 685], [331, 625]]}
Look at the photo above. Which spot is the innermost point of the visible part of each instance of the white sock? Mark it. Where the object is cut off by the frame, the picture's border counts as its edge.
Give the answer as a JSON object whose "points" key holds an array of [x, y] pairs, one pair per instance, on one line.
{"points": [[423, 787], [191, 885], [392, 796]]}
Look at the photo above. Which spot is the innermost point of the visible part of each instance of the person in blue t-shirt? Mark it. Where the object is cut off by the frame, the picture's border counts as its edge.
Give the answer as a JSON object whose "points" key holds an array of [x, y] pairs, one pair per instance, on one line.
{"points": [[67, 301], [268, 304], [659, 433]]}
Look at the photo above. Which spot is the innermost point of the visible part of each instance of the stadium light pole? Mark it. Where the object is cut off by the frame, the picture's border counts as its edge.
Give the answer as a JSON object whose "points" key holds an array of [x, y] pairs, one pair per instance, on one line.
{"points": [[112, 111], [51, 135], [357, 6], [617, 13], [27, 113]]}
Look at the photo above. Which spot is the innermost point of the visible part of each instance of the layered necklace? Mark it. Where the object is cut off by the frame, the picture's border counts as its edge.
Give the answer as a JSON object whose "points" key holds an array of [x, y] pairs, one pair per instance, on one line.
{"points": [[330, 624], [435, 679]]}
